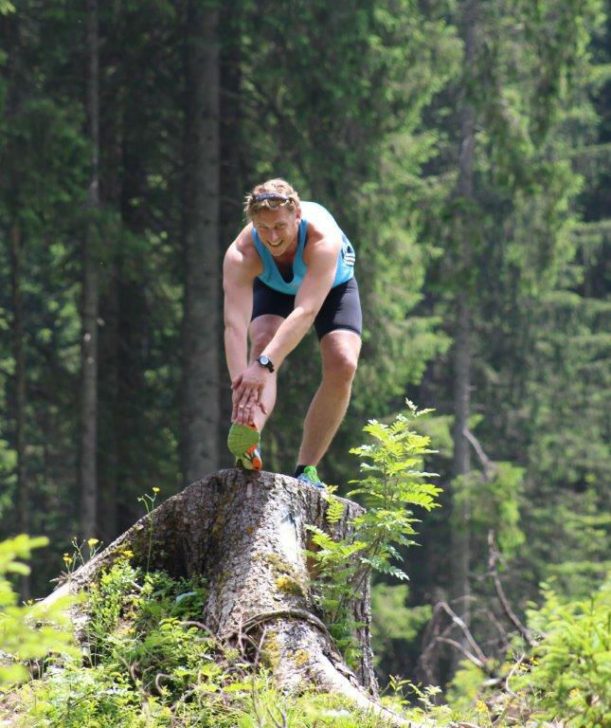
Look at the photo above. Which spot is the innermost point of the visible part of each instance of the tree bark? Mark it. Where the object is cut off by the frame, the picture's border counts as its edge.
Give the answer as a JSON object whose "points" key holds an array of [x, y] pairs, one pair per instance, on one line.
{"points": [[17, 330], [88, 478], [12, 191], [200, 410], [246, 534], [109, 390], [462, 335]]}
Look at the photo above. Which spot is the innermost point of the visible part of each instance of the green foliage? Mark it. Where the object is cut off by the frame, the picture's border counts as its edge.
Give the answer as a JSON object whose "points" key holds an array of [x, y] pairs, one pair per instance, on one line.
{"points": [[404, 693], [392, 485], [150, 660], [8, 464], [153, 604], [392, 619], [565, 416], [466, 687], [32, 631], [565, 677], [153, 664], [494, 501], [570, 677]]}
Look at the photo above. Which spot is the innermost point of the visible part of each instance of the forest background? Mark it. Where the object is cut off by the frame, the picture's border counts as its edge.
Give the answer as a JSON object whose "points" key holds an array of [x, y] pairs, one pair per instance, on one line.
{"points": [[465, 149]]}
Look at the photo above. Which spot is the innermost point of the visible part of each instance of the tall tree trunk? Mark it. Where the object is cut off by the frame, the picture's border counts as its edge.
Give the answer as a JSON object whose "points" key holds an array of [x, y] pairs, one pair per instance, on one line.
{"points": [[88, 481], [12, 44], [200, 411], [109, 393], [461, 462], [20, 391], [462, 334], [132, 324]]}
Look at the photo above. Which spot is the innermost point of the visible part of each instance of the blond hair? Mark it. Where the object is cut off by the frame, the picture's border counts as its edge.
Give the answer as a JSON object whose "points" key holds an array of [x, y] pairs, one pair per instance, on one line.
{"points": [[270, 195]]}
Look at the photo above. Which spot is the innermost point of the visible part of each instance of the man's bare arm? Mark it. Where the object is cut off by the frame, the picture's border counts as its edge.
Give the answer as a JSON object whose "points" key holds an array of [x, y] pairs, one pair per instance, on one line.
{"points": [[308, 301], [239, 272]]}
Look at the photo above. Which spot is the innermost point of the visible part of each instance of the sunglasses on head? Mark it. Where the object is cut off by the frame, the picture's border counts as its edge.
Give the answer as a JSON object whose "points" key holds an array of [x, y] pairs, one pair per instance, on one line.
{"points": [[270, 199]]}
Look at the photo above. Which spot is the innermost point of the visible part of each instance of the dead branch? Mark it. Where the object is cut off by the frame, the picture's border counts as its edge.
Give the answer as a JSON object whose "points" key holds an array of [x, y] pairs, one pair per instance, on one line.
{"points": [[493, 558], [464, 629], [488, 465], [469, 655]]}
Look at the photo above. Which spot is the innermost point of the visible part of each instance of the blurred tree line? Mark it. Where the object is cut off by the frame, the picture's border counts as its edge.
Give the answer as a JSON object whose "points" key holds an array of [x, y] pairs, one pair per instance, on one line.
{"points": [[464, 147]]}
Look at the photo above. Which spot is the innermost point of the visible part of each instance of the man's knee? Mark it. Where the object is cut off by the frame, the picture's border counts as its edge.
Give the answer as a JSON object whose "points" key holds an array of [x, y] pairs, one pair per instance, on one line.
{"points": [[342, 370], [340, 360], [262, 331], [258, 342]]}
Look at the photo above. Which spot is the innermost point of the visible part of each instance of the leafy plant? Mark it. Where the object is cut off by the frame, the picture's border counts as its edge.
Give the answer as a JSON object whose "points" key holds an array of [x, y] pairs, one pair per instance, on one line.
{"points": [[148, 501], [79, 557], [32, 631], [570, 677], [393, 484]]}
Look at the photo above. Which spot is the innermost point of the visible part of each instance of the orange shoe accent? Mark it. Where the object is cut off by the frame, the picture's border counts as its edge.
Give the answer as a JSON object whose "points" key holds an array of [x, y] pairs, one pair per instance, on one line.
{"points": [[254, 457]]}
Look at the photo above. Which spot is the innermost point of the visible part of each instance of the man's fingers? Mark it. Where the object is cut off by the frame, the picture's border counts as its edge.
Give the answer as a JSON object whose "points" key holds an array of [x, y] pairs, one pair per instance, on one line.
{"points": [[246, 398], [243, 409], [242, 396], [242, 415]]}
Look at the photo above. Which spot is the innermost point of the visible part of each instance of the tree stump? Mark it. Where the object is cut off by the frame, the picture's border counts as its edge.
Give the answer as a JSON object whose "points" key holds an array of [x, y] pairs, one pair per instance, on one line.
{"points": [[245, 532]]}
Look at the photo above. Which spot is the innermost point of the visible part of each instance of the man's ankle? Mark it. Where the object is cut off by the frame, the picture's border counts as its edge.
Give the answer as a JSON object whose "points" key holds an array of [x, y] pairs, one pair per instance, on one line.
{"points": [[298, 470]]}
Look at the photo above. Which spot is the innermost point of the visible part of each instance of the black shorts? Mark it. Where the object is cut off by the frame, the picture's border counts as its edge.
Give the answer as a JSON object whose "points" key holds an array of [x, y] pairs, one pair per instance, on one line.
{"points": [[341, 308]]}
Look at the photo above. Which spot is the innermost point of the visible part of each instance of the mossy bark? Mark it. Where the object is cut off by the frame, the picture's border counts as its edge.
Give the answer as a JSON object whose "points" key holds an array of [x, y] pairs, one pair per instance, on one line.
{"points": [[246, 534]]}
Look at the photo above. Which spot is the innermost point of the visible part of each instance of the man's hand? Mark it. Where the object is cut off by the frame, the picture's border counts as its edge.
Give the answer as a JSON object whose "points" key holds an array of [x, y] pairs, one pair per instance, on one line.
{"points": [[246, 394]]}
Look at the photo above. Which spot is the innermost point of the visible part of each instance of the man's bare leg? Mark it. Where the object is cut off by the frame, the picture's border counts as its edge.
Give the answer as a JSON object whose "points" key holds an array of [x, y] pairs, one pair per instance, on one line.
{"points": [[261, 332], [340, 353]]}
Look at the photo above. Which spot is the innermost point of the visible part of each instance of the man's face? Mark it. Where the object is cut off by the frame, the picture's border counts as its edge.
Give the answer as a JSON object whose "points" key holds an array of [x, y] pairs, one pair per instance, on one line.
{"points": [[278, 229]]}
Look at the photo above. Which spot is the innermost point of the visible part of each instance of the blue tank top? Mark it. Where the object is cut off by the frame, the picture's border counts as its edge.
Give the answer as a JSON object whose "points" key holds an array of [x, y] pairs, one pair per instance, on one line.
{"points": [[272, 276]]}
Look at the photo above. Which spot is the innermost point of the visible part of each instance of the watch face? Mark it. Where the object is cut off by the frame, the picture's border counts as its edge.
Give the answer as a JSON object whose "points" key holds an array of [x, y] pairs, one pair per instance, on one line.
{"points": [[265, 361]]}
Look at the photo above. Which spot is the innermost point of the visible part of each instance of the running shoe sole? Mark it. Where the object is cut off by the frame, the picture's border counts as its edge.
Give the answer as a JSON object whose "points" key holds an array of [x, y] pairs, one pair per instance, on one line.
{"points": [[243, 444]]}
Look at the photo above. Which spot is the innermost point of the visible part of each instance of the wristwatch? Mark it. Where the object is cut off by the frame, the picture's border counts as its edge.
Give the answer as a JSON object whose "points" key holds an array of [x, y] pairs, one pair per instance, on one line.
{"points": [[266, 362]]}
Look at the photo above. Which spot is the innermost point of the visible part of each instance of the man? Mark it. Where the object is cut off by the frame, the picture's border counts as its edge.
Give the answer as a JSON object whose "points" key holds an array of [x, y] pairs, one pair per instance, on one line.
{"points": [[289, 268]]}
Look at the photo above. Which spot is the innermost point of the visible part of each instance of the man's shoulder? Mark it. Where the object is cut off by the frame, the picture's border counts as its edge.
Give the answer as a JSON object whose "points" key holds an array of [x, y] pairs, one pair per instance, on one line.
{"points": [[322, 227], [314, 210], [244, 241], [243, 254]]}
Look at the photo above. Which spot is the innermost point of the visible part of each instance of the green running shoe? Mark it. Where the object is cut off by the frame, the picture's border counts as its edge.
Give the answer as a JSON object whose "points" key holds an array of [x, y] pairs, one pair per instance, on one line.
{"points": [[243, 443], [310, 477]]}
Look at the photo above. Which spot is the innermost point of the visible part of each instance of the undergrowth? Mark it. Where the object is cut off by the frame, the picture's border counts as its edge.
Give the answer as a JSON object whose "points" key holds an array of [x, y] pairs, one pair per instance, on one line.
{"points": [[149, 662]]}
